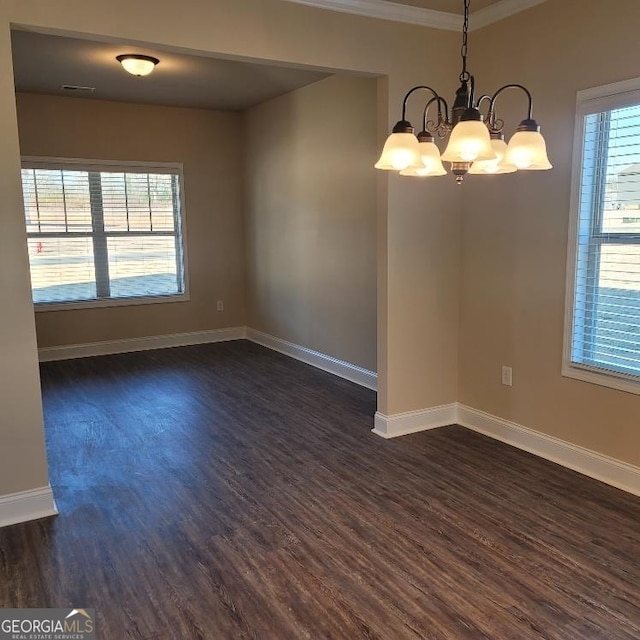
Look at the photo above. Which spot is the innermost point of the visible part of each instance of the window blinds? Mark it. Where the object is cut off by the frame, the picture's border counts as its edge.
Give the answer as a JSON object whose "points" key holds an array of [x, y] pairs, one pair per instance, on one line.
{"points": [[102, 233], [606, 319]]}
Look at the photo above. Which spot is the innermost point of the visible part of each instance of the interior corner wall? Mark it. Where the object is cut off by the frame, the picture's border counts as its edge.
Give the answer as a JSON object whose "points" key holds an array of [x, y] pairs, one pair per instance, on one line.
{"points": [[419, 305], [311, 218], [23, 463], [205, 142], [515, 229]]}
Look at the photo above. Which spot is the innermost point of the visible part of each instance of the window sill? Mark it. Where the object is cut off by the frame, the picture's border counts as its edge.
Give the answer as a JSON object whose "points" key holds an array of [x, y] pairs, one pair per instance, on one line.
{"points": [[612, 380], [45, 307]]}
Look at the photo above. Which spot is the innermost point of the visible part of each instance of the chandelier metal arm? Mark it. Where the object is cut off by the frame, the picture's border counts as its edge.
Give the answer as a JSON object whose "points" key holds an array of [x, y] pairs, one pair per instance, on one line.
{"points": [[481, 99], [417, 88], [442, 126], [495, 125]]}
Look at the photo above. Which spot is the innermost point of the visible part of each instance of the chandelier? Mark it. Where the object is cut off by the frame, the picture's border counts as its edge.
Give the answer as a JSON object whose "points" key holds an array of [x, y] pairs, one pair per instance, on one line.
{"points": [[476, 142]]}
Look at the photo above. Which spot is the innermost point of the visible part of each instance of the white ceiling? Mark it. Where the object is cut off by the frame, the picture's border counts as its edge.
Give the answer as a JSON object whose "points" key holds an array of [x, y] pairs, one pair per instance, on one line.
{"points": [[43, 63], [451, 6]]}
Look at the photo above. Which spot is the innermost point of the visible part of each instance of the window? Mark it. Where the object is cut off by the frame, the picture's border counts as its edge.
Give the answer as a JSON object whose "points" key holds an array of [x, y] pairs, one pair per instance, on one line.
{"points": [[602, 342], [103, 234]]}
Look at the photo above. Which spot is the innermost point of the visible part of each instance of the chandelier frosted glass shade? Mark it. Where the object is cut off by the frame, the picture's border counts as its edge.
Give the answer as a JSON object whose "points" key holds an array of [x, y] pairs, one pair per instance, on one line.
{"points": [[423, 172], [527, 151], [430, 156], [469, 141], [431, 165], [401, 151], [497, 166]]}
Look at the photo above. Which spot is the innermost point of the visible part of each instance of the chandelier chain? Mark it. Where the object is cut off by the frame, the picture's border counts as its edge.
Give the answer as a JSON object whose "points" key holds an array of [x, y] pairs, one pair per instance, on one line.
{"points": [[464, 75]]}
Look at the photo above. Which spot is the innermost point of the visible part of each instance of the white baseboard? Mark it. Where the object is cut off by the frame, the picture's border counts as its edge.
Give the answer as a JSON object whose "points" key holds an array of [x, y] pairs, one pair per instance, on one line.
{"points": [[585, 461], [589, 463], [27, 505], [363, 377], [111, 347], [402, 424], [340, 368]]}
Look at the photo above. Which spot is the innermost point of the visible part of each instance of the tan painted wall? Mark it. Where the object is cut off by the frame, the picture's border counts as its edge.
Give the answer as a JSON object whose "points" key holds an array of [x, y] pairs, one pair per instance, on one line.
{"points": [[206, 143], [515, 229], [311, 218], [22, 454], [417, 342]]}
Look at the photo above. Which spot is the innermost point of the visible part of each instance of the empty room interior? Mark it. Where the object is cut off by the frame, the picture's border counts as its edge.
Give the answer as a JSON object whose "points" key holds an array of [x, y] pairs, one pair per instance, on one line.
{"points": [[321, 319]]}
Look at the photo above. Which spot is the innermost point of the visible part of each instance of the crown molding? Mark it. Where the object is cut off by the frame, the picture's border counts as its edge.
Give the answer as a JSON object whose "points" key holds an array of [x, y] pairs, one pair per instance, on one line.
{"points": [[390, 11], [499, 11], [385, 10]]}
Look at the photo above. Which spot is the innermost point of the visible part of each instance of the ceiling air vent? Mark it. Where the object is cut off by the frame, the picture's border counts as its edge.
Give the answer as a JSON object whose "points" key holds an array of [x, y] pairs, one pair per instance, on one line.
{"points": [[74, 88]]}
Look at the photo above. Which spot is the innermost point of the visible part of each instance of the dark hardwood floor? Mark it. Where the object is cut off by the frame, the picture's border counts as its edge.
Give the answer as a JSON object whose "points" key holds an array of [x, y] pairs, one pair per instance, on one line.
{"points": [[226, 492]]}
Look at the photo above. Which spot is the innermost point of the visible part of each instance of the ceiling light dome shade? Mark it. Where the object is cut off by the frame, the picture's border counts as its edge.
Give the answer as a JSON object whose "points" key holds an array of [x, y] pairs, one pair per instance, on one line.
{"points": [[527, 150], [401, 151], [499, 165], [137, 64], [469, 142]]}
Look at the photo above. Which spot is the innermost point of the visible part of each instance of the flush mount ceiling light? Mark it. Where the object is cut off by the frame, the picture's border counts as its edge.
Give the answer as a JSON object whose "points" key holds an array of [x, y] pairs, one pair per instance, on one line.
{"points": [[476, 142], [137, 64]]}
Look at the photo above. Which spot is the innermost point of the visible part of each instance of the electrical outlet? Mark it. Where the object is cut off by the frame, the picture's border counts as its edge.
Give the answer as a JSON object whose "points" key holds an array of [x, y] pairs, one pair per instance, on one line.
{"points": [[220, 305], [507, 376]]}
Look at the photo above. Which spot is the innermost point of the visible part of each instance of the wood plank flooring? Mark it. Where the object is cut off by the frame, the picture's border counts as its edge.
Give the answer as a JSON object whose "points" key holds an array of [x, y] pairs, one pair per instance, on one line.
{"points": [[227, 492]]}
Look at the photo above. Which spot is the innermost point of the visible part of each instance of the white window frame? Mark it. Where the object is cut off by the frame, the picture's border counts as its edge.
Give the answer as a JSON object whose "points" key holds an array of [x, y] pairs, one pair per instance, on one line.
{"points": [[82, 164], [595, 100]]}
